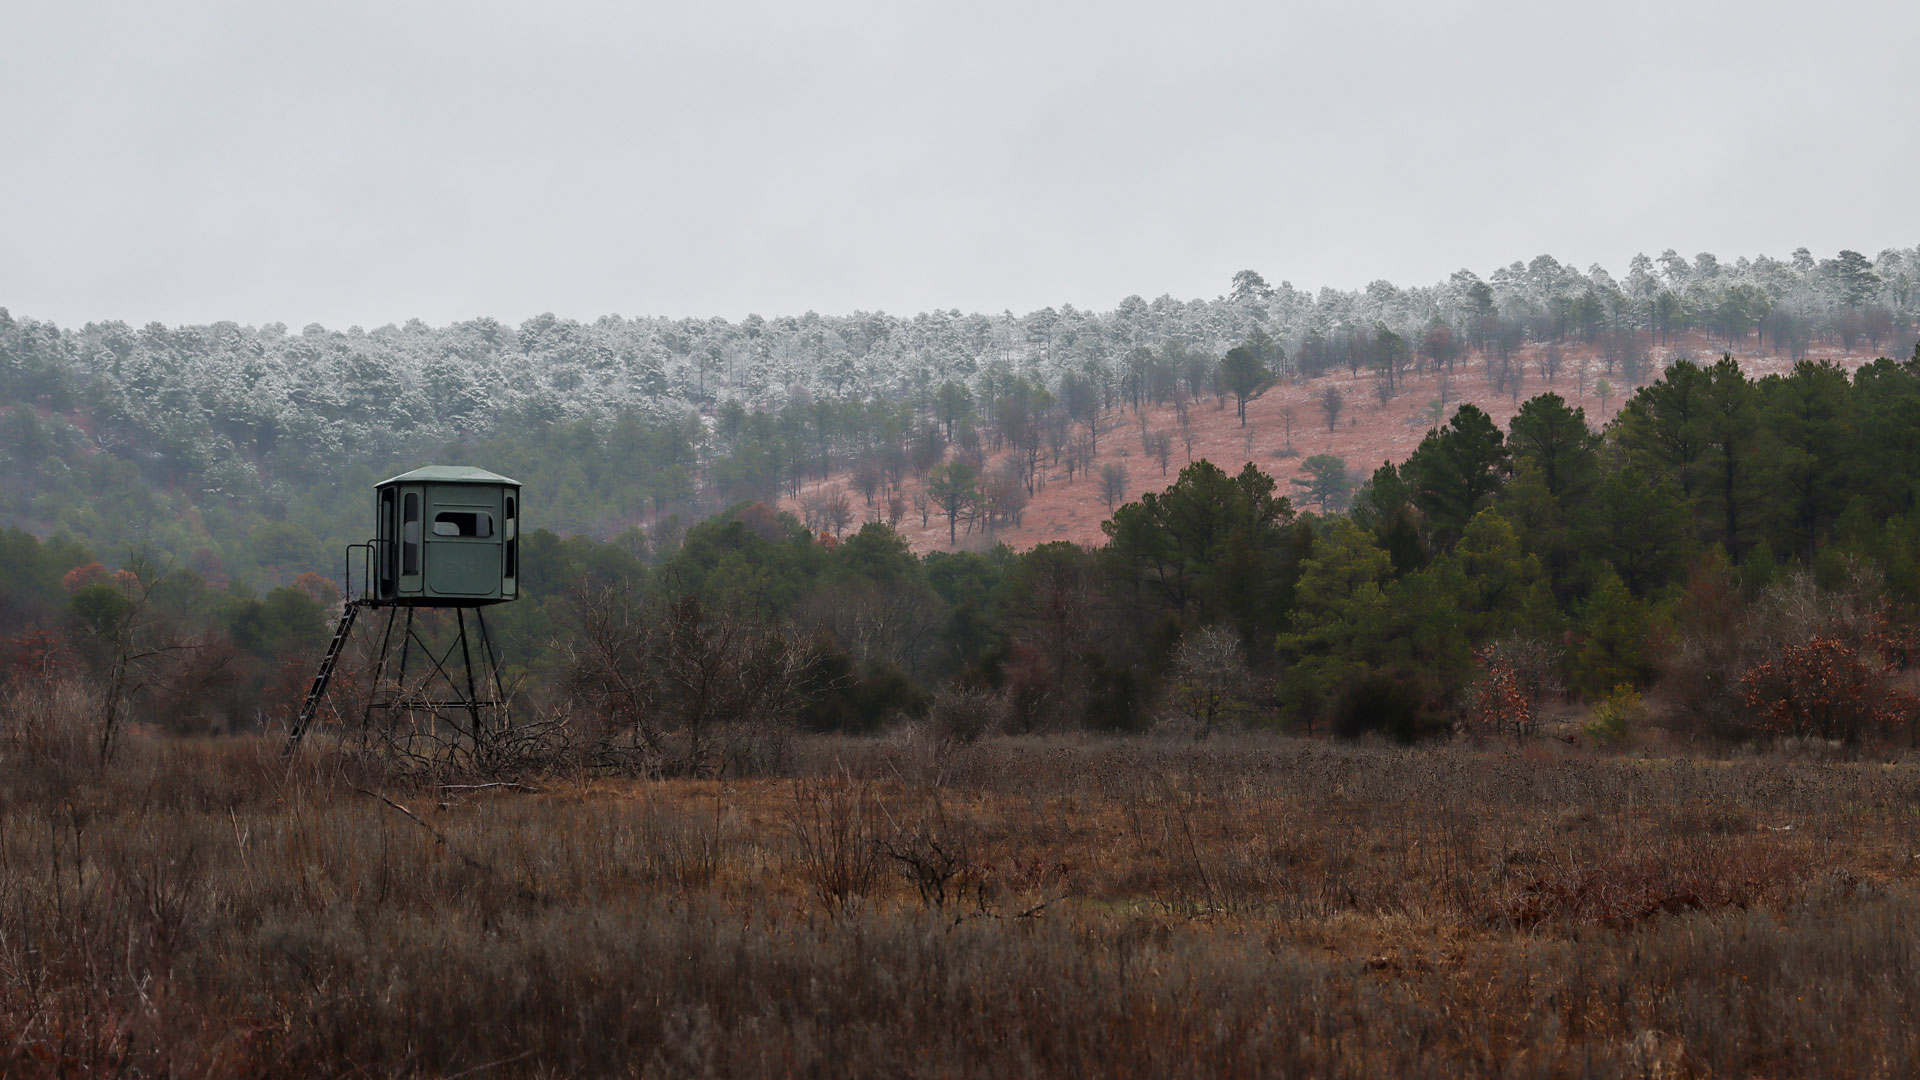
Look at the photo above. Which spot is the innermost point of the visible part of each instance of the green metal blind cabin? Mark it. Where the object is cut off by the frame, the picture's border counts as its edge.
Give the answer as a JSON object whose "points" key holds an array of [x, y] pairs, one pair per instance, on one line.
{"points": [[446, 536]]}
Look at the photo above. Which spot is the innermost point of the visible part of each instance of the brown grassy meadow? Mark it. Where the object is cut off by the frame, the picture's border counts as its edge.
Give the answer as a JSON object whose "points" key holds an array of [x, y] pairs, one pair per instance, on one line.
{"points": [[1017, 907]]}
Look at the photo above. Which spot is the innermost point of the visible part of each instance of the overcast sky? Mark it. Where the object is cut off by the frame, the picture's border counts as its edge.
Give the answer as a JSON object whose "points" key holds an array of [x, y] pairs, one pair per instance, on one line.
{"points": [[367, 163]]}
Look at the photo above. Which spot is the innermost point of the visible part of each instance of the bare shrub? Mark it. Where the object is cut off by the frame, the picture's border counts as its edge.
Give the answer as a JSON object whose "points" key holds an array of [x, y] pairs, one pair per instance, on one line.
{"points": [[1035, 696], [755, 747], [836, 823], [673, 689], [1211, 684], [1711, 652], [935, 853], [961, 715], [532, 746], [47, 720]]}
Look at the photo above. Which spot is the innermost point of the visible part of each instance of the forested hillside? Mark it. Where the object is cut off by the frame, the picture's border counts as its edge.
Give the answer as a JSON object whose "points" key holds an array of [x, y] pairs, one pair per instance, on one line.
{"points": [[763, 494], [248, 451]]}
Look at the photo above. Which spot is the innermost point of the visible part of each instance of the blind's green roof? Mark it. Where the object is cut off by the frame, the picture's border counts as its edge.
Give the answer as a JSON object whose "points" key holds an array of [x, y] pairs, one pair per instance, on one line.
{"points": [[449, 474]]}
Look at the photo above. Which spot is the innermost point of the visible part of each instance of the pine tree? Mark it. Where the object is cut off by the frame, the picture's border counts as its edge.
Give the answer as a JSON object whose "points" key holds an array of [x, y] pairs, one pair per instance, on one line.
{"points": [[1456, 471]]}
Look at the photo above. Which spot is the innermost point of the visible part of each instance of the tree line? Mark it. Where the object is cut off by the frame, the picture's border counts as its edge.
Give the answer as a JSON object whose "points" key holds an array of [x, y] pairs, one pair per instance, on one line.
{"points": [[192, 440], [1742, 550]]}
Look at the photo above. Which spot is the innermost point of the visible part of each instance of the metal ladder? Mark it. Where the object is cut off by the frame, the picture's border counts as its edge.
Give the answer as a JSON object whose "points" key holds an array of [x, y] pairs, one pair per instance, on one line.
{"points": [[321, 678]]}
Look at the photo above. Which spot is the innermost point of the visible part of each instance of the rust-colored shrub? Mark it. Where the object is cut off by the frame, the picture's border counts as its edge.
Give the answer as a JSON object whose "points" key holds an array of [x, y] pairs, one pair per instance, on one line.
{"points": [[1497, 706], [36, 654], [1825, 689]]}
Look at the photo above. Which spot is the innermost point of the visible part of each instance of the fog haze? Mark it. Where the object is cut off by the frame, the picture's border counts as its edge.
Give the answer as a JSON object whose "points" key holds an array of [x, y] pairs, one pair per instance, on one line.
{"points": [[377, 162]]}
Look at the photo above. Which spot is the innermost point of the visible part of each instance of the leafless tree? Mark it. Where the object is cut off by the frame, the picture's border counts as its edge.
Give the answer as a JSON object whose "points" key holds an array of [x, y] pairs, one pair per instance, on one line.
{"points": [[1211, 683], [146, 653], [893, 463], [1332, 403], [967, 446], [1004, 495], [867, 477], [878, 624], [1160, 446], [1549, 360], [1113, 484], [661, 684], [1079, 457], [837, 512]]}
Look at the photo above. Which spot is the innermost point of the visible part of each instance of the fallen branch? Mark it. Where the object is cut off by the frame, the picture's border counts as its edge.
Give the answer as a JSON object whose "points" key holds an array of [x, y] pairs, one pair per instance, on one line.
{"points": [[1033, 912], [438, 836], [490, 1065], [516, 785]]}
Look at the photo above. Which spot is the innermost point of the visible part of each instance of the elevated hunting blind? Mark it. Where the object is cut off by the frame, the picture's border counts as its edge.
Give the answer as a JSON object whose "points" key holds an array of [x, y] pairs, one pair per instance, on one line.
{"points": [[445, 536]]}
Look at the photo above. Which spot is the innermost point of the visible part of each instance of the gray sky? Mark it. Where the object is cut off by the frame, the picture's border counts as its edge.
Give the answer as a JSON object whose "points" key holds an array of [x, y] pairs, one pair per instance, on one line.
{"points": [[361, 163]]}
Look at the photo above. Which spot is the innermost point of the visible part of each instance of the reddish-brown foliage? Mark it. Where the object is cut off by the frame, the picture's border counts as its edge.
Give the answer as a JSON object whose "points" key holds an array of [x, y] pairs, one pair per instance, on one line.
{"points": [[84, 575], [1826, 689], [1499, 707], [323, 592], [36, 654]]}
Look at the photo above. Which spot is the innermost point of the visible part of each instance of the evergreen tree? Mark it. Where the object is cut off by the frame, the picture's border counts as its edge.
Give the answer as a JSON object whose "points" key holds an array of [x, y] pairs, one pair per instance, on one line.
{"points": [[1456, 471], [1731, 496], [1210, 546], [1612, 640], [1552, 443], [1809, 415], [1664, 427], [1384, 507], [1327, 482], [1245, 376], [1341, 617], [1640, 527], [1502, 590], [1886, 461]]}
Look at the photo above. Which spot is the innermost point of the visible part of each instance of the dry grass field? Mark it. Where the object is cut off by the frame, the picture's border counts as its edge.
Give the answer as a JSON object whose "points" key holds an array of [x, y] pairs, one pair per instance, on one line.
{"points": [[1076, 907]]}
